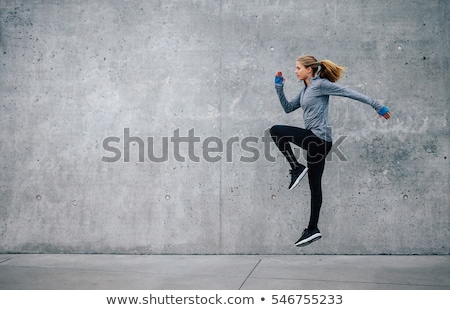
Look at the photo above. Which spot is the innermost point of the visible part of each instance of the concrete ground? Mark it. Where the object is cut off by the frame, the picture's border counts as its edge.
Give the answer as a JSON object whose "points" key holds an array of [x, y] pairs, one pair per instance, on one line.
{"points": [[223, 272]]}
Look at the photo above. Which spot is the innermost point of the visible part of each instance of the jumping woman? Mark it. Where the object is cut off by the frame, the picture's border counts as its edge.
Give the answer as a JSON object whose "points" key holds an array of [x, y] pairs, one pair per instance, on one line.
{"points": [[319, 84]]}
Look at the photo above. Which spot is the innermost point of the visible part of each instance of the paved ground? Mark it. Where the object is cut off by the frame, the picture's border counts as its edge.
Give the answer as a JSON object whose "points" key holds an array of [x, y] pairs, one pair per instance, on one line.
{"points": [[223, 272]]}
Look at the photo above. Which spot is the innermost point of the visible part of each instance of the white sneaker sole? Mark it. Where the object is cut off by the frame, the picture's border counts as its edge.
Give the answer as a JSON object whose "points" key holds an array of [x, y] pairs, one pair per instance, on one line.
{"points": [[299, 178], [309, 240]]}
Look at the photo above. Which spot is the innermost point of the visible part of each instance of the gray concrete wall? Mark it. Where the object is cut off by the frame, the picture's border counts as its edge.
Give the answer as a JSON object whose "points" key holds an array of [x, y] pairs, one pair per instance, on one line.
{"points": [[84, 84]]}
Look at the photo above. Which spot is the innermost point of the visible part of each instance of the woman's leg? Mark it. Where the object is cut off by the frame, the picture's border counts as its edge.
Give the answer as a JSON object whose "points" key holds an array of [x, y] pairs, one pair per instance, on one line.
{"points": [[316, 164], [284, 135], [315, 185], [317, 154], [317, 151]]}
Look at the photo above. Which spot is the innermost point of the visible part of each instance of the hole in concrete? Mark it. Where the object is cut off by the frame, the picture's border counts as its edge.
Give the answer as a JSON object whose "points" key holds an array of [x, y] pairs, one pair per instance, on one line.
{"points": [[38, 197], [167, 197], [272, 48], [405, 197], [274, 197]]}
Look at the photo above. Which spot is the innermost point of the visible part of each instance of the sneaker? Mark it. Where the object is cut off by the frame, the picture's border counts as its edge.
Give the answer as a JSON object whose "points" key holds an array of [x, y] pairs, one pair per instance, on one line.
{"points": [[309, 236], [297, 175]]}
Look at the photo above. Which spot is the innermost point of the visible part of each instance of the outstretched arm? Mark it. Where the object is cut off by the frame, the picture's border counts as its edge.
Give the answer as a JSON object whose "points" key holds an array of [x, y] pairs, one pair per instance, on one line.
{"points": [[333, 89]]}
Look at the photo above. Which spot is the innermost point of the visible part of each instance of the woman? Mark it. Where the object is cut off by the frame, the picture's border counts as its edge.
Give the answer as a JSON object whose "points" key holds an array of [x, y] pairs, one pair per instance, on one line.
{"points": [[316, 139]]}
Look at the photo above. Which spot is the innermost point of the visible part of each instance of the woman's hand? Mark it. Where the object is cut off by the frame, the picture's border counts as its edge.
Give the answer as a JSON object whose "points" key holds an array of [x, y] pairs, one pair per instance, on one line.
{"points": [[386, 116], [279, 79], [384, 112]]}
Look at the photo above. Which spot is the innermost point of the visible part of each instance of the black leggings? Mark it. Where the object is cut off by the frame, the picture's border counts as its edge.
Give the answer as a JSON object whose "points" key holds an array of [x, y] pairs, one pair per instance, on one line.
{"points": [[317, 150]]}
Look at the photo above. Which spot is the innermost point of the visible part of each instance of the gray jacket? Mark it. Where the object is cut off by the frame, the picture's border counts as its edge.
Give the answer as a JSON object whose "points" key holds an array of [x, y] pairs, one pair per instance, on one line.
{"points": [[314, 101]]}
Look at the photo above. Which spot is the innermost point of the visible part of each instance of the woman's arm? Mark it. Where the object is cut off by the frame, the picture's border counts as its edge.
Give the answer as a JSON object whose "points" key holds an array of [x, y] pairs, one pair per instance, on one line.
{"points": [[287, 105], [333, 89]]}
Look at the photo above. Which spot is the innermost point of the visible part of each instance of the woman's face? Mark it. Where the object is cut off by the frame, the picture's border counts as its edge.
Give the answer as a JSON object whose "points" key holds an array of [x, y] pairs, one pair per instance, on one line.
{"points": [[302, 72]]}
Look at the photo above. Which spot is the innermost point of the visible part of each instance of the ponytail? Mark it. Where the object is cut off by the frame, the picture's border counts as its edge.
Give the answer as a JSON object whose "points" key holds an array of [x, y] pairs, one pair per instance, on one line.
{"points": [[327, 70], [330, 71]]}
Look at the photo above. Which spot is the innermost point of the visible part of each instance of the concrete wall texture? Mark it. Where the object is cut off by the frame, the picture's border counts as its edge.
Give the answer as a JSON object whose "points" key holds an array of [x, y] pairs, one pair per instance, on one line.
{"points": [[96, 94]]}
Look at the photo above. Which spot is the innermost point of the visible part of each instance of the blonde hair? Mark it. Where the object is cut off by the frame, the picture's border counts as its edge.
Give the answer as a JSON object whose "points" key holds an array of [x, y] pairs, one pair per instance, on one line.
{"points": [[328, 69]]}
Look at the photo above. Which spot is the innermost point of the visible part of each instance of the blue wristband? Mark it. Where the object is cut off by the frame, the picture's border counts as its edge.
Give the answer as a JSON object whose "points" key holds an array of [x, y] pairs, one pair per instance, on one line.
{"points": [[383, 111], [278, 80]]}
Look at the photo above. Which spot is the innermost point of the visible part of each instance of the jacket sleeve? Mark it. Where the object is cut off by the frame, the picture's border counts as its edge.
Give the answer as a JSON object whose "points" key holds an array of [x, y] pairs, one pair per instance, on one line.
{"points": [[333, 89], [288, 106]]}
